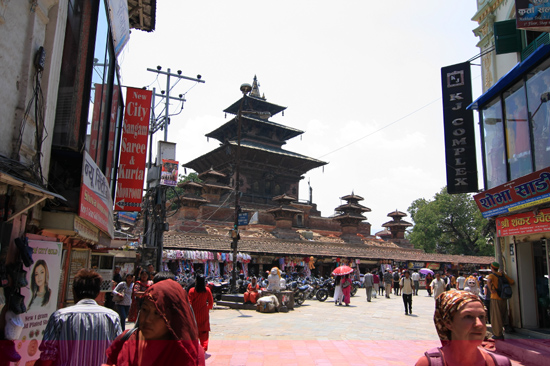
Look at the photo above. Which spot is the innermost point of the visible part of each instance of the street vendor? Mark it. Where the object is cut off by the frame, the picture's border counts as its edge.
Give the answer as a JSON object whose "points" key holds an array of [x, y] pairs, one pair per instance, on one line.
{"points": [[252, 292]]}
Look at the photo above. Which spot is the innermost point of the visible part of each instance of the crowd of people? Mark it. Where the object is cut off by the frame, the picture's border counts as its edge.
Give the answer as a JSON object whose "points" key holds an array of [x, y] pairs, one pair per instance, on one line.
{"points": [[172, 323]]}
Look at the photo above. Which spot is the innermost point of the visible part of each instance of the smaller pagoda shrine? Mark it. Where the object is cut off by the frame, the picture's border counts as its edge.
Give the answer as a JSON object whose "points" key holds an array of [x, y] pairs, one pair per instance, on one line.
{"points": [[397, 228], [351, 215], [284, 216], [212, 185]]}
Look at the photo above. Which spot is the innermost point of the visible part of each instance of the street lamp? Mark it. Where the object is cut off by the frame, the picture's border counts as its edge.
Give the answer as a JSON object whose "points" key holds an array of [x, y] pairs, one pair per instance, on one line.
{"points": [[245, 89]]}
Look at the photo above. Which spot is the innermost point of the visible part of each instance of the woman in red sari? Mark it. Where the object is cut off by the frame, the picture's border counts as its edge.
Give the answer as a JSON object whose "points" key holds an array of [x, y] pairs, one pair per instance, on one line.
{"points": [[252, 292], [201, 300], [346, 289], [139, 290], [166, 333]]}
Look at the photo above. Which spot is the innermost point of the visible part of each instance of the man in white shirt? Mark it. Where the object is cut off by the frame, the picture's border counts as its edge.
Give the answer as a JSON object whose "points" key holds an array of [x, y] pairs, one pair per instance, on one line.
{"points": [[460, 281], [406, 286], [438, 285], [416, 281]]}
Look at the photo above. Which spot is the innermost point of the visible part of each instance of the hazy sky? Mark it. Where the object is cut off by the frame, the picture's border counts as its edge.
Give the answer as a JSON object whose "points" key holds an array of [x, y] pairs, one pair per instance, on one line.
{"points": [[360, 78]]}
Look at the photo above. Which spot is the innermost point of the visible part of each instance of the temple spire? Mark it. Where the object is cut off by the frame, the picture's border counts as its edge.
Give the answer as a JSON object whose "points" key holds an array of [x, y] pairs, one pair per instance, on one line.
{"points": [[255, 88]]}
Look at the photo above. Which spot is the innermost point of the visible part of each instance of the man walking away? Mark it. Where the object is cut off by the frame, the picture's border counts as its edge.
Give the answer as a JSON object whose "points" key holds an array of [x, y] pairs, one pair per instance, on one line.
{"points": [[499, 306], [369, 283], [406, 285], [438, 285], [80, 334], [388, 279], [416, 280], [396, 282], [460, 281]]}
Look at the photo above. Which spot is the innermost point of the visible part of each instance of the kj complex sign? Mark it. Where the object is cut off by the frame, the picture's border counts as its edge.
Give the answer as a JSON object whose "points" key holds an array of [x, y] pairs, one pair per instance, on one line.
{"points": [[460, 150], [133, 153], [530, 190]]}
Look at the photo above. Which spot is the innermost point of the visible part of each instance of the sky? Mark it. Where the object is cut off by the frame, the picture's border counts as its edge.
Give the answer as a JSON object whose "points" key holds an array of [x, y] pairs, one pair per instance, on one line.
{"points": [[360, 78]]}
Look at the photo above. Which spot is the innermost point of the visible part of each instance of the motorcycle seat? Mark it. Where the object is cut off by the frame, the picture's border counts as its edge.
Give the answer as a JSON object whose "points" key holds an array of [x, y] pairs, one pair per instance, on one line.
{"points": [[303, 288]]}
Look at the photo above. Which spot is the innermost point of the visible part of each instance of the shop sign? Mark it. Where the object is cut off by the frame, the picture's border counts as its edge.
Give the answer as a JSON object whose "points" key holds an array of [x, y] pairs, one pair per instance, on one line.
{"points": [[133, 154], [120, 23], [433, 266], [96, 204], [533, 15], [47, 267], [85, 231], [530, 190], [416, 265], [458, 123], [524, 223]]}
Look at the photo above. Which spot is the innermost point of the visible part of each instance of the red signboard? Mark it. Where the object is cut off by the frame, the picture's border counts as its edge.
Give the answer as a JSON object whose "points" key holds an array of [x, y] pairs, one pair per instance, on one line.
{"points": [[530, 190], [133, 155], [524, 223], [96, 204], [533, 15], [98, 118]]}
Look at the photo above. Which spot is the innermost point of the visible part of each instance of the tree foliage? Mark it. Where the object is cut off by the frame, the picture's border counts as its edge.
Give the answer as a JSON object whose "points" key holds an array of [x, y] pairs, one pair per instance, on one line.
{"points": [[174, 191], [450, 224]]}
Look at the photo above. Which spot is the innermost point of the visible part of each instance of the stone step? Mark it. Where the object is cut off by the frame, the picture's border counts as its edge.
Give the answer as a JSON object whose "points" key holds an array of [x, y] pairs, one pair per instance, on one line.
{"points": [[233, 297], [236, 305], [527, 351]]}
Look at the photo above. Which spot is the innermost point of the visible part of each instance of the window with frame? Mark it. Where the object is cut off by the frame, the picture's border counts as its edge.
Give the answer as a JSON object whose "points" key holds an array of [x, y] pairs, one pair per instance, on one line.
{"points": [[493, 141], [538, 91]]}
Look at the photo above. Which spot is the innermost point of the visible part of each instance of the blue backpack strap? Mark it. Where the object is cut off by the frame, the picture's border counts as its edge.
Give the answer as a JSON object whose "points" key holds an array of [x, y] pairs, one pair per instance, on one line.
{"points": [[434, 356], [500, 360]]}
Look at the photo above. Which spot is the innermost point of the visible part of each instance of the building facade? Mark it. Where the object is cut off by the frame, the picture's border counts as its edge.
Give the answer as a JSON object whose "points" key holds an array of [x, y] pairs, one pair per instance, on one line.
{"points": [[515, 147]]}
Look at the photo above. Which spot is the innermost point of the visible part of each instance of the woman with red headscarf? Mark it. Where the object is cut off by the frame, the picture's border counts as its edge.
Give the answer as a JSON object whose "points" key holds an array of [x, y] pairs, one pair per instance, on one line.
{"points": [[201, 300], [166, 333], [460, 321]]}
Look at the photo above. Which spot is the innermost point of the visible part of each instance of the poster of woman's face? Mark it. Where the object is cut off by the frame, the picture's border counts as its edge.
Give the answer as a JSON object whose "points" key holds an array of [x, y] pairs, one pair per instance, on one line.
{"points": [[40, 296], [40, 290]]}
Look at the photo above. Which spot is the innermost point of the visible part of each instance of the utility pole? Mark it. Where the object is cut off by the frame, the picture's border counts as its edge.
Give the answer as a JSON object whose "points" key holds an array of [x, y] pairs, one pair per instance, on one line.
{"points": [[157, 225]]}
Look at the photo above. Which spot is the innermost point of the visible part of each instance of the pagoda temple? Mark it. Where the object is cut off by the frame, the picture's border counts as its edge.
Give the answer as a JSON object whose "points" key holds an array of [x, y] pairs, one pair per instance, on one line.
{"points": [[397, 227], [266, 169], [351, 215]]}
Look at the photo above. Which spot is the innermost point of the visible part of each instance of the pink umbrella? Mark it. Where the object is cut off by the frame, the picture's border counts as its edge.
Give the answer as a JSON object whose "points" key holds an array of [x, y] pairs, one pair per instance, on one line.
{"points": [[342, 271], [426, 271]]}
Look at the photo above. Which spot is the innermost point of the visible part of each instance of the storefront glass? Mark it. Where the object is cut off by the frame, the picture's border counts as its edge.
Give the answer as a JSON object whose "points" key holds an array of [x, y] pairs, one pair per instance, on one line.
{"points": [[518, 144], [493, 138], [538, 84]]}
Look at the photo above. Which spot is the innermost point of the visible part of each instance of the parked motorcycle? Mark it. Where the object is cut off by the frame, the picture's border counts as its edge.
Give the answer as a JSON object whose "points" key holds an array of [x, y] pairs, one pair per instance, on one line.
{"points": [[218, 289], [326, 289], [299, 292]]}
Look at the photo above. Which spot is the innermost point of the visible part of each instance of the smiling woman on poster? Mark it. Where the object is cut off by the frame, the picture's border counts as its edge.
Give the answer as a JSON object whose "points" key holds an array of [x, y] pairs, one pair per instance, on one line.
{"points": [[40, 290]]}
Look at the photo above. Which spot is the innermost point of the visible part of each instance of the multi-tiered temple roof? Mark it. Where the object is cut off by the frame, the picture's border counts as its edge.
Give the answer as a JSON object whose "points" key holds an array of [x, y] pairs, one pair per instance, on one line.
{"points": [[266, 169]]}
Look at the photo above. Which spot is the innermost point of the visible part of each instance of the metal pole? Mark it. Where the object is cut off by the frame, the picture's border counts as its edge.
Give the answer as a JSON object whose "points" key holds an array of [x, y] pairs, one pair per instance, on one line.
{"points": [[237, 193]]}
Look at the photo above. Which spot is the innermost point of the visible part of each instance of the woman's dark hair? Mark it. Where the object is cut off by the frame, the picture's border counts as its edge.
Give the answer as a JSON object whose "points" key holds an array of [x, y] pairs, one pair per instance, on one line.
{"points": [[164, 275], [86, 285], [200, 284], [337, 280], [34, 286]]}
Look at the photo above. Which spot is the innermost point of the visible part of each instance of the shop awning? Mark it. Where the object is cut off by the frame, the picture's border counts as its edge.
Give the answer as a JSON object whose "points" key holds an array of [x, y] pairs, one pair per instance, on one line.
{"points": [[516, 73], [30, 188]]}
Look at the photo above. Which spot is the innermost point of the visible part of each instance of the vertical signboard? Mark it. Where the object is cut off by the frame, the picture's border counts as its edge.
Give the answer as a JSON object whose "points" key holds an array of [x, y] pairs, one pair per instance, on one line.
{"points": [[460, 149], [120, 23], [43, 279], [96, 204], [533, 15], [133, 155], [98, 120], [112, 129]]}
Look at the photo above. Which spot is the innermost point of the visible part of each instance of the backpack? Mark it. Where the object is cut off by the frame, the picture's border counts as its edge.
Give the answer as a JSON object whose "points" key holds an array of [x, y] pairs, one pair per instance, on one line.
{"points": [[395, 276], [504, 290], [435, 358]]}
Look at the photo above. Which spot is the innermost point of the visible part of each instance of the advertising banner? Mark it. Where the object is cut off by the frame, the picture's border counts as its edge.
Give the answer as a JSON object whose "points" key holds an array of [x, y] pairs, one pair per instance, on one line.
{"points": [[133, 155], [460, 148], [98, 117], [43, 279], [120, 23], [112, 129], [169, 173], [530, 190], [524, 223], [533, 15], [96, 205]]}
